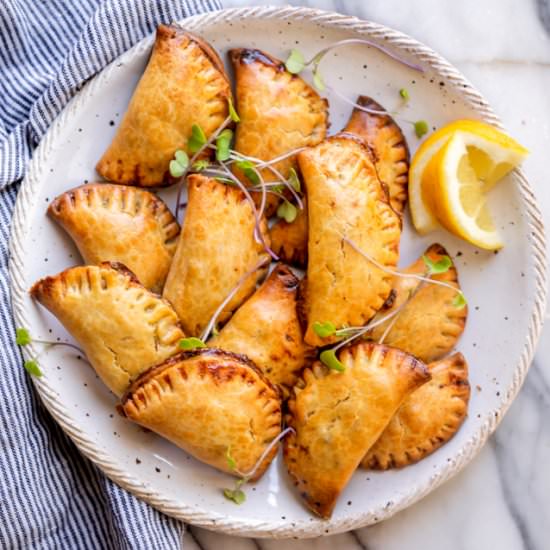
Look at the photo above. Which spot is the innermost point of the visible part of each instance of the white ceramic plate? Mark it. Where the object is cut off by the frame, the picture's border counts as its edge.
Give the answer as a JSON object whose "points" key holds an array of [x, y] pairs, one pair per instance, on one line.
{"points": [[506, 292]]}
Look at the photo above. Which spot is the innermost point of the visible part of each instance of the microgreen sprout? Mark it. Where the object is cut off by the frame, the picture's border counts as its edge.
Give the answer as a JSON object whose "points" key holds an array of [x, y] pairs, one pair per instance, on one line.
{"points": [[191, 343], [249, 170], [287, 211], [441, 265], [459, 300], [213, 320], [178, 166], [223, 145], [232, 112], [404, 93], [23, 338], [421, 128], [200, 165], [328, 358], [324, 330], [295, 62], [294, 180], [236, 494], [438, 267], [197, 139]]}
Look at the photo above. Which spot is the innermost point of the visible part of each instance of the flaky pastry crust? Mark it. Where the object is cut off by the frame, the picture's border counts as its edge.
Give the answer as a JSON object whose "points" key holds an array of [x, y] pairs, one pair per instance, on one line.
{"points": [[122, 327]]}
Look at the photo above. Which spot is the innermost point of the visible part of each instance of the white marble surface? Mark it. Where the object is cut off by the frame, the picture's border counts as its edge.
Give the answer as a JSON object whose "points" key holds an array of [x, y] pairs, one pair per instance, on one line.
{"points": [[502, 500]]}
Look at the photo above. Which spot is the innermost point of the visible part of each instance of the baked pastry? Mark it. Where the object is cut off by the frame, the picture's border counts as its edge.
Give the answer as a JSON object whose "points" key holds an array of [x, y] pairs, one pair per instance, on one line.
{"points": [[430, 325], [215, 249], [346, 200], [289, 240], [338, 416], [211, 403], [279, 112], [388, 146], [184, 84], [267, 330], [120, 224], [122, 327], [427, 419]]}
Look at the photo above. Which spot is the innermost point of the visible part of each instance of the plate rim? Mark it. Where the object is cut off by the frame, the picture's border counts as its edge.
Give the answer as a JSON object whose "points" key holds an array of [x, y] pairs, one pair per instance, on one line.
{"points": [[260, 528]]}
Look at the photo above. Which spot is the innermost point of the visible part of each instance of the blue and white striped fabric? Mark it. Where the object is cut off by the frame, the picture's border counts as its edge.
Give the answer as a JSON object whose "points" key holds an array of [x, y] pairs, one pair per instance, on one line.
{"points": [[51, 496]]}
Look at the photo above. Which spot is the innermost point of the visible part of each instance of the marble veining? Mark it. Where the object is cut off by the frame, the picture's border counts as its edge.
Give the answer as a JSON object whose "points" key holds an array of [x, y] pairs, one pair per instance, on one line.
{"points": [[502, 499]]}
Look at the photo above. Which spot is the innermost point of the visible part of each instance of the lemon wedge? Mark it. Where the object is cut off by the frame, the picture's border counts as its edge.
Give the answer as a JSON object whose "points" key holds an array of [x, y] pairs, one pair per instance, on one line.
{"points": [[450, 175]]}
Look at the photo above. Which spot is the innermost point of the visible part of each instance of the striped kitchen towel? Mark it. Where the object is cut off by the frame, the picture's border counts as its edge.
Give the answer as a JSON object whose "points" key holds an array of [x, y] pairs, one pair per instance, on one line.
{"points": [[51, 496]]}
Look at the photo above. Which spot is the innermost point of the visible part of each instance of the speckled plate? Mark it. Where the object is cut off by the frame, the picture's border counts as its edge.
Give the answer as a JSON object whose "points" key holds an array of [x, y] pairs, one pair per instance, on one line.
{"points": [[506, 292]]}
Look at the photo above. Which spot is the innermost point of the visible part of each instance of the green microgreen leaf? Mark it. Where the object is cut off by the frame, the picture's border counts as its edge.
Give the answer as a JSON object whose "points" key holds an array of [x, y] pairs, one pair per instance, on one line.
{"points": [[22, 337], [230, 460], [294, 180], [201, 165], [421, 128], [440, 266], [191, 343], [278, 188], [328, 358], [404, 93], [31, 366], [215, 331], [182, 158], [179, 165], [197, 139], [459, 300], [248, 170], [223, 145], [318, 80], [176, 169], [295, 62], [323, 330], [287, 211], [232, 113], [236, 495]]}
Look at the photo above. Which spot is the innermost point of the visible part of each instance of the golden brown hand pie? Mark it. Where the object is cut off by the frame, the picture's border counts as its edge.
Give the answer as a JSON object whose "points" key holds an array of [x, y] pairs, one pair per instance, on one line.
{"points": [[279, 112], [266, 329], [122, 327], [120, 224], [346, 199], [388, 145], [209, 402], [184, 84], [289, 240], [429, 325], [427, 419], [338, 416], [216, 248]]}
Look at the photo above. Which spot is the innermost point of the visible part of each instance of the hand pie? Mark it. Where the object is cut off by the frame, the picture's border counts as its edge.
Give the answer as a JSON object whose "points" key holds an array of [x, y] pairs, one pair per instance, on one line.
{"points": [[338, 416], [346, 199], [122, 327], [279, 112], [184, 84], [216, 248], [429, 326], [266, 329], [210, 403], [289, 240], [388, 145], [120, 224], [427, 419]]}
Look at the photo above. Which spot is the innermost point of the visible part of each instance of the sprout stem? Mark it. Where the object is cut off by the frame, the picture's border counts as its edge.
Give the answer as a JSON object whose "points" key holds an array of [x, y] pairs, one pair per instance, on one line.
{"points": [[316, 59], [398, 273], [268, 449], [235, 156], [229, 297], [208, 142]]}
